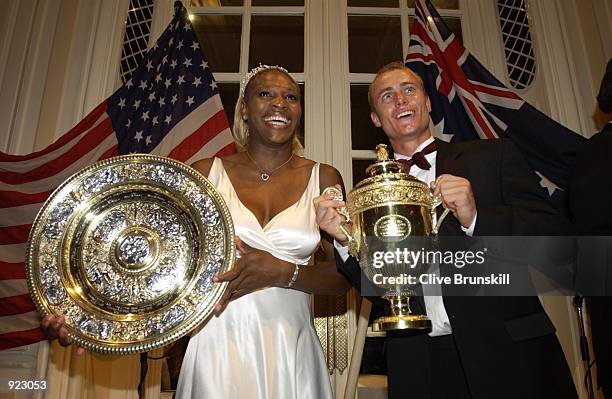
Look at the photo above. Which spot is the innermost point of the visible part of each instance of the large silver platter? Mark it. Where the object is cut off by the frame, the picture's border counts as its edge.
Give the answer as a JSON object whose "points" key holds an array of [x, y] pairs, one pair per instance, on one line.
{"points": [[126, 250]]}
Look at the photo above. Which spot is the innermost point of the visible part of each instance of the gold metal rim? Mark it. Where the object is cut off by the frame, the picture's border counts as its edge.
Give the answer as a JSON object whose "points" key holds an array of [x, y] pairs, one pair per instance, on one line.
{"points": [[198, 295], [386, 193], [411, 322]]}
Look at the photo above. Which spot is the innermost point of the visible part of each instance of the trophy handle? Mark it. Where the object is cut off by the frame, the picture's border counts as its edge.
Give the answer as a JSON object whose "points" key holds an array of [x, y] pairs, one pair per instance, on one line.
{"points": [[342, 211], [437, 201]]}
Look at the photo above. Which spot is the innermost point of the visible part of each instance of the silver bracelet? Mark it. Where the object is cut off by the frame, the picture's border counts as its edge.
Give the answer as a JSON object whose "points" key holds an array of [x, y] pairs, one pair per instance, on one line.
{"points": [[296, 271]]}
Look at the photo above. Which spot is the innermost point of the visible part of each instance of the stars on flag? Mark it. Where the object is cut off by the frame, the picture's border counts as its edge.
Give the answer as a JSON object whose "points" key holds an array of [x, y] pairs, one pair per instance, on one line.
{"points": [[176, 75]]}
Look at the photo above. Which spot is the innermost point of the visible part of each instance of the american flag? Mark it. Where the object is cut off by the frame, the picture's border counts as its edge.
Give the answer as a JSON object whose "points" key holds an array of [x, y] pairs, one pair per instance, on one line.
{"points": [[469, 103], [170, 107]]}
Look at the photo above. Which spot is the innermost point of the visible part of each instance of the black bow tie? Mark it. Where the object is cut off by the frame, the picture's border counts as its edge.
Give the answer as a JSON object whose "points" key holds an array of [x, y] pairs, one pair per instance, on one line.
{"points": [[418, 158]]}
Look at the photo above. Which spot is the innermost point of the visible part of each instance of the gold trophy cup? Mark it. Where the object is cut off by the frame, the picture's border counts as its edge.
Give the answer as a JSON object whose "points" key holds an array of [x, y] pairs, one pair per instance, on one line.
{"points": [[388, 209]]}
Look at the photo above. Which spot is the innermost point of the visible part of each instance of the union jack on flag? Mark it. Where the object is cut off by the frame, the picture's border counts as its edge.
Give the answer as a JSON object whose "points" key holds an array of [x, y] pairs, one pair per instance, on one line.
{"points": [[469, 103], [170, 107]]}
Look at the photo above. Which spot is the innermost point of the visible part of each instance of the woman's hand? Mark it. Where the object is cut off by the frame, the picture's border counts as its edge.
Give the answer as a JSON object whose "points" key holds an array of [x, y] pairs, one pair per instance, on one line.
{"points": [[53, 326], [254, 270]]}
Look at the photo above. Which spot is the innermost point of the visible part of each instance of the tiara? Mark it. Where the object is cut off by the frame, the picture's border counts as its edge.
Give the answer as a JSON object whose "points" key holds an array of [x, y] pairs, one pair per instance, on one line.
{"points": [[247, 78]]}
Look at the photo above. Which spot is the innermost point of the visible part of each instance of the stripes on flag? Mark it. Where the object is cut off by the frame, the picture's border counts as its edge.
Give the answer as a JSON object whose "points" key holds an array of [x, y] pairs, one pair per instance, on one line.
{"points": [[173, 110]]}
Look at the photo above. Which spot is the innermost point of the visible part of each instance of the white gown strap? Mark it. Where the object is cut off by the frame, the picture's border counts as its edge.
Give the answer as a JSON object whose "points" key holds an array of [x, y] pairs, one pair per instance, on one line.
{"points": [[216, 171]]}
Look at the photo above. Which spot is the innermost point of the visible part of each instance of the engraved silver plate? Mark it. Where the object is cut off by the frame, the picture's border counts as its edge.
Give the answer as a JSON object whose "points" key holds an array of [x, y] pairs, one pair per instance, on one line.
{"points": [[126, 249]]}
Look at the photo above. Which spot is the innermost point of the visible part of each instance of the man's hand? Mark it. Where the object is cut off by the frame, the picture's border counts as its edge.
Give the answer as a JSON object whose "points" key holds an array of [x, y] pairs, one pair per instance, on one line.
{"points": [[328, 218], [457, 196]]}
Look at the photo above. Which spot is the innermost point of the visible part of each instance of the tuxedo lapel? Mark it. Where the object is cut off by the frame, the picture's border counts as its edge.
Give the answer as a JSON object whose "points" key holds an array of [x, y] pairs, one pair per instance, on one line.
{"points": [[448, 161]]}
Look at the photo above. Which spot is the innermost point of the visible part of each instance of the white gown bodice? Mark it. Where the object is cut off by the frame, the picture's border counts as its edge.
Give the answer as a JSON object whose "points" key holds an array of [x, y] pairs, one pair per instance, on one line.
{"points": [[263, 345]]}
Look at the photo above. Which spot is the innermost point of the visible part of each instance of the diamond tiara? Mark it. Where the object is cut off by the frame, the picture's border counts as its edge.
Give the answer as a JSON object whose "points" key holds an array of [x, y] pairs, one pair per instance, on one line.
{"points": [[247, 78]]}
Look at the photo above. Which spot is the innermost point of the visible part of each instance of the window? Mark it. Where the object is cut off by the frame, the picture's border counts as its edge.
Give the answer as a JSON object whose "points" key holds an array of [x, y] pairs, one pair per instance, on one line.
{"points": [[136, 37], [378, 33], [520, 61], [236, 37]]}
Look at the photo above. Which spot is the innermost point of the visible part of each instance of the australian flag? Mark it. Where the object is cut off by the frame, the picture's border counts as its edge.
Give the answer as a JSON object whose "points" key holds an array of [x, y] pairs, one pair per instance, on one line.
{"points": [[469, 103]]}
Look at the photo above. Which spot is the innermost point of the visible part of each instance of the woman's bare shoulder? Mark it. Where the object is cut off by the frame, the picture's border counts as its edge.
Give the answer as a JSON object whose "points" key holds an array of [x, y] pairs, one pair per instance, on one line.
{"points": [[204, 165], [329, 176]]}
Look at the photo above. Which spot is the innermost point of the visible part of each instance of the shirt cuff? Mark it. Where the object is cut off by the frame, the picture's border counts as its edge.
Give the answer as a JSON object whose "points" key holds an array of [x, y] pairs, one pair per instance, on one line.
{"points": [[342, 250], [470, 230]]}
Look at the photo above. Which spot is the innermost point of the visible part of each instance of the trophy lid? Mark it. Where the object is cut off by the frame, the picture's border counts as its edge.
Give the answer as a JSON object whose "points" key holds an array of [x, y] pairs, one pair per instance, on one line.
{"points": [[383, 164], [385, 169], [387, 184]]}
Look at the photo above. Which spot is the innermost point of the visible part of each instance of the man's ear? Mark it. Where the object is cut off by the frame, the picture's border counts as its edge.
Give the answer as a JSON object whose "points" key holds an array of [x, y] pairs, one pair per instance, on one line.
{"points": [[375, 119], [428, 104]]}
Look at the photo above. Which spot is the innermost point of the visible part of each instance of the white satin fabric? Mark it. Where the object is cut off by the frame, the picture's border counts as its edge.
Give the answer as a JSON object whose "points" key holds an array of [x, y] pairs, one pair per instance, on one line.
{"points": [[264, 344]]}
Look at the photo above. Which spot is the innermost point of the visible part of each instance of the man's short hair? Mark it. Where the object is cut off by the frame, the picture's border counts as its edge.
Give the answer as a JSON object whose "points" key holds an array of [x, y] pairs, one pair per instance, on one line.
{"points": [[604, 98], [392, 66]]}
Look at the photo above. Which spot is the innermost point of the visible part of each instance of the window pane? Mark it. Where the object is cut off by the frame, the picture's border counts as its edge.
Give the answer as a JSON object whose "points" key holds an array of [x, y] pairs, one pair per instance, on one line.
{"points": [[441, 4], [454, 24], [216, 3], [359, 168], [373, 42], [277, 2], [520, 61], [229, 96], [373, 3], [277, 40], [219, 36], [365, 136]]}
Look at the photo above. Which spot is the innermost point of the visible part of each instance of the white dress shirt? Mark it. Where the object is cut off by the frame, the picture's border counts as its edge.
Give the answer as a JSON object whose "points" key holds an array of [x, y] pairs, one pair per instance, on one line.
{"points": [[434, 304]]}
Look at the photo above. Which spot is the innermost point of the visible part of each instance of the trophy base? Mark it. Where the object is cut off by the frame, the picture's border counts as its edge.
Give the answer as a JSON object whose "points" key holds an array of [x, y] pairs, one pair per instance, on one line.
{"points": [[402, 322]]}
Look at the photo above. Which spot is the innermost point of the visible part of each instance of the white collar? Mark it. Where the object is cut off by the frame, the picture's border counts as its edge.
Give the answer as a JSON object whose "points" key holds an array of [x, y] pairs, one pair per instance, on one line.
{"points": [[419, 148]]}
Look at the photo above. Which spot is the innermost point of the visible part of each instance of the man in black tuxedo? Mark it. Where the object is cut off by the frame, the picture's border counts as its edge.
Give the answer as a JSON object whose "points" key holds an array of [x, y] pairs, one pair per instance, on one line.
{"points": [[590, 194], [479, 347]]}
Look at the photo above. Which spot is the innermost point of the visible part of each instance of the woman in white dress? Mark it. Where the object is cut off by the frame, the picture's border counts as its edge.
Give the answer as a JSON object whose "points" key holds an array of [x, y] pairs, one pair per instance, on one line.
{"points": [[261, 342]]}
